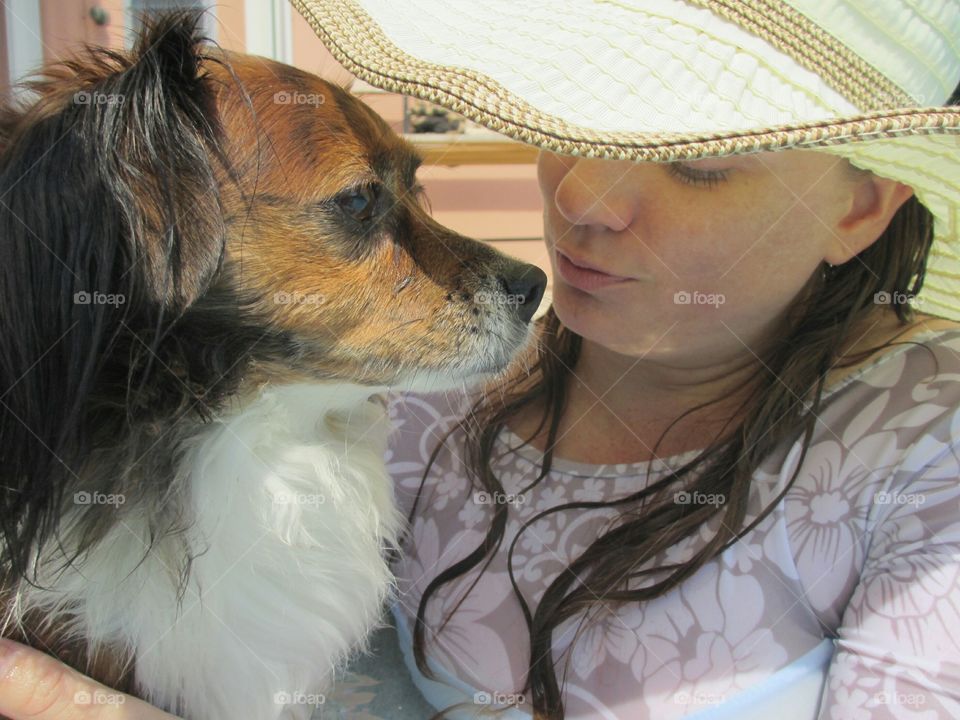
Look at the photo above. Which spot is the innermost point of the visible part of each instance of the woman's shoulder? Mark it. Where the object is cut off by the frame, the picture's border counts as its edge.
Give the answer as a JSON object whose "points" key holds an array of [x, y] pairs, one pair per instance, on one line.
{"points": [[898, 363], [889, 423]]}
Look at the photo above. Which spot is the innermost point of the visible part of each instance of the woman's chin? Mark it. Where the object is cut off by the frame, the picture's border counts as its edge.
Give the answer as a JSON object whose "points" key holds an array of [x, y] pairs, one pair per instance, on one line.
{"points": [[648, 334], [577, 310], [597, 321]]}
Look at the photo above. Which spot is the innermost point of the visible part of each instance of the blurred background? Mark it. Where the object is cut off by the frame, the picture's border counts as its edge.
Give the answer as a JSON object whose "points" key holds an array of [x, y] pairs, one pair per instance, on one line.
{"points": [[478, 183]]}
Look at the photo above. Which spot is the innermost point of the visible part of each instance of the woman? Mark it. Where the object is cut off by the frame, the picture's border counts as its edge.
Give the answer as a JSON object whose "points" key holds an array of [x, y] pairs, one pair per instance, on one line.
{"points": [[726, 483]]}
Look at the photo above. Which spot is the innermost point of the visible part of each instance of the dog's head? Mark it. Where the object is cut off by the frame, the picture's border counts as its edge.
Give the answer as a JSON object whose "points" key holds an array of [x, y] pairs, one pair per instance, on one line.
{"points": [[176, 220], [336, 247]]}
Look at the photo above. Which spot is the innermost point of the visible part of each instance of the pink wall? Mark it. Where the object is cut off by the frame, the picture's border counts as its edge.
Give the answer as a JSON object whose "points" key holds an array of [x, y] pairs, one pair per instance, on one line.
{"points": [[231, 25], [66, 24]]}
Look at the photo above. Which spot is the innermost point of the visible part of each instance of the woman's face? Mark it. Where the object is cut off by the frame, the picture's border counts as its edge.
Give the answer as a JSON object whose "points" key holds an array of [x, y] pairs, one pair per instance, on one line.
{"points": [[707, 254]]}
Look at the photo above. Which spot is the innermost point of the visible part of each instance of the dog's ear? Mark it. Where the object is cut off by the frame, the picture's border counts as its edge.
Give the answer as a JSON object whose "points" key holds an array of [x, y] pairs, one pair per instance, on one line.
{"points": [[110, 227], [160, 136], [124, 148]]}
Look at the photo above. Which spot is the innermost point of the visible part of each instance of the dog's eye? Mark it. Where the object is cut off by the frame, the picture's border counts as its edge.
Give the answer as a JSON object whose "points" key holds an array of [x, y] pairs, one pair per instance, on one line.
{"points": [[359, 203]]}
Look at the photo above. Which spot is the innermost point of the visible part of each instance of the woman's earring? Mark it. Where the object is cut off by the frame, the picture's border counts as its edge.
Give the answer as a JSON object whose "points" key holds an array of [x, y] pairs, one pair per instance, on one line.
{"points": [[825, 270]]}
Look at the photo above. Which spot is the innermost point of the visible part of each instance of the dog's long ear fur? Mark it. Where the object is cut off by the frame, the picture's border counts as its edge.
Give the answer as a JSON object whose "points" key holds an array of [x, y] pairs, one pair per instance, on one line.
{"points": [[110, 228]]}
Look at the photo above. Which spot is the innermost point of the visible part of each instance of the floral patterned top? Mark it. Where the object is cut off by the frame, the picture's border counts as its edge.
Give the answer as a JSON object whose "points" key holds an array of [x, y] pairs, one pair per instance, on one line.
{"points": [[864, 550]]}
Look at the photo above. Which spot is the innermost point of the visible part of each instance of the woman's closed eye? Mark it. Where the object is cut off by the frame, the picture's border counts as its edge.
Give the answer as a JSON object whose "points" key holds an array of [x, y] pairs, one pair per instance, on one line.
{"points": [[691, 175]]}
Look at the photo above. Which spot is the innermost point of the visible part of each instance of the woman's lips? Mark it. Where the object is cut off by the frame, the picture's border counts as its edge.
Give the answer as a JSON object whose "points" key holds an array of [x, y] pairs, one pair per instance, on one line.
{"points": [[585, 278]]}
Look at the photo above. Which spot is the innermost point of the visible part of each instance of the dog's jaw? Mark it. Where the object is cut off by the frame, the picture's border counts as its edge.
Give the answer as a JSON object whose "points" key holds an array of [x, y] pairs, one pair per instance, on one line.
{"points": [[292, 510]]}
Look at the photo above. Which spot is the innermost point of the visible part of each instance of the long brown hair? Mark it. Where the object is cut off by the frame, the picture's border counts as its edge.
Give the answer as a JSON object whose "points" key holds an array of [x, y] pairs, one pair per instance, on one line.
{"points": [[782, 402]]}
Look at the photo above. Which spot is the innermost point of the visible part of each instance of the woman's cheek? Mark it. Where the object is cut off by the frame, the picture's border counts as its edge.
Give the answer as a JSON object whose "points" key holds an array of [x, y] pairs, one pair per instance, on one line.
{"points": [[550, 171], [689, 251]]}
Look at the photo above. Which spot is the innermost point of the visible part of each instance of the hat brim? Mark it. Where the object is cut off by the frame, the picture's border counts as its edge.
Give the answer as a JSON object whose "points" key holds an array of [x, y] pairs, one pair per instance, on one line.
{"points": [[359, 43]]}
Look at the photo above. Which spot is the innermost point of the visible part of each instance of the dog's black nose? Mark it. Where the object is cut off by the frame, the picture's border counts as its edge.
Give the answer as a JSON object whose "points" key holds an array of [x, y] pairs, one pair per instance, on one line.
{"points": [[524, 285]]}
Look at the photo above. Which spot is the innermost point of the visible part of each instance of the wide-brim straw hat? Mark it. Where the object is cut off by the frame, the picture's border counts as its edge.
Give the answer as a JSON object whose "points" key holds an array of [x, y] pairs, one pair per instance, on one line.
{"points": [[669, 80]]}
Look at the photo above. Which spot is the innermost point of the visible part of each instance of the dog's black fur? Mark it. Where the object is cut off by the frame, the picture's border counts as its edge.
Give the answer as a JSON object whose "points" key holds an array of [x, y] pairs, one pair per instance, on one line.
{"points": [[115, 190]]}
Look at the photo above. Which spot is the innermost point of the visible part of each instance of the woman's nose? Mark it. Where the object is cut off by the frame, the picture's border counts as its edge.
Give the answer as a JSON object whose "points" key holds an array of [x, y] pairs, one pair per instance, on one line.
{"points": [[597, 192]]}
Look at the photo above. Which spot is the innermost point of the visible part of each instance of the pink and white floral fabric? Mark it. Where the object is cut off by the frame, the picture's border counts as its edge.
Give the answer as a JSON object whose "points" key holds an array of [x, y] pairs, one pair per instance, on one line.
{"points": [[864, 549]]}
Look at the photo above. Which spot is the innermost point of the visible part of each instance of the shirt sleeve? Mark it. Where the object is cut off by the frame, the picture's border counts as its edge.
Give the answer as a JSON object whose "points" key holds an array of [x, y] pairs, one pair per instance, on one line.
{"points": [[898, 644]]}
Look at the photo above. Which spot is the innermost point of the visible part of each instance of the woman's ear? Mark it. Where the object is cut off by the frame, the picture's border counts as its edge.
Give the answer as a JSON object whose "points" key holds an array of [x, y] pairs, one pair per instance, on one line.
{"points": [[874, 201]]}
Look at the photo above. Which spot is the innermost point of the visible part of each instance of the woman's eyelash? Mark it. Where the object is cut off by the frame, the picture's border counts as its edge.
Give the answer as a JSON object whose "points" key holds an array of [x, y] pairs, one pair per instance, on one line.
{"points": [[695, 176]]}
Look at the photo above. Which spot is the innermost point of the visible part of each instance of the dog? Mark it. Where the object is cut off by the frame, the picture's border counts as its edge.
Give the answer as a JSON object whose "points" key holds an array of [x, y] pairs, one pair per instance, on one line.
{"points": [[213, 266]]}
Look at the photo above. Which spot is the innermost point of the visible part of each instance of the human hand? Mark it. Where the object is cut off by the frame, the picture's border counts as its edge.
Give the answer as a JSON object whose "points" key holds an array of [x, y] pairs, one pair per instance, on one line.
{"points": [[35, 686]]}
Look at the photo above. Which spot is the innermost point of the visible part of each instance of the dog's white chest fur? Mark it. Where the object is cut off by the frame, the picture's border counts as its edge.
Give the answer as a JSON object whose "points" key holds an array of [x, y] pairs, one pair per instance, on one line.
{"points": [[291, 509]]}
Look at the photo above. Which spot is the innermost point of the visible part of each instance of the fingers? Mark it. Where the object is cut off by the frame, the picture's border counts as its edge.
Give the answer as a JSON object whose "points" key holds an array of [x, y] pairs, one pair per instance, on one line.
{"points": [[34, 686]]}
